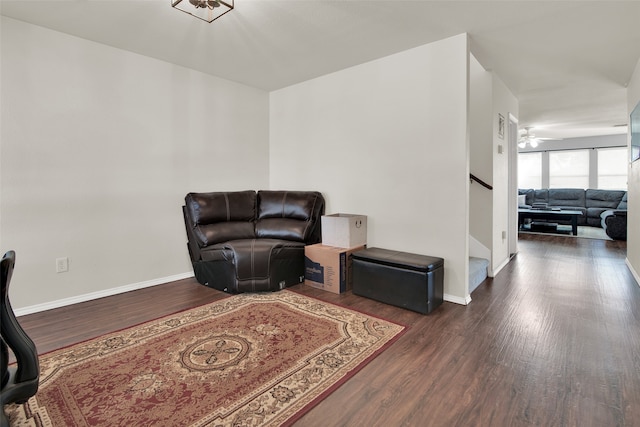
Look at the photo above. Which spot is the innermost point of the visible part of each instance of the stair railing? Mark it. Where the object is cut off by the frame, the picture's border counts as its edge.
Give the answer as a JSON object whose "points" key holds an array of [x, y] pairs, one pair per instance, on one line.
{"points": [[472, 177]]}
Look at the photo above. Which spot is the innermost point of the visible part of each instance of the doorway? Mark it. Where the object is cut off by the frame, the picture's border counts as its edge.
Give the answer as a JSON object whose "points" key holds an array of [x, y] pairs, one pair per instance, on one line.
{"points": [[512, 152]]}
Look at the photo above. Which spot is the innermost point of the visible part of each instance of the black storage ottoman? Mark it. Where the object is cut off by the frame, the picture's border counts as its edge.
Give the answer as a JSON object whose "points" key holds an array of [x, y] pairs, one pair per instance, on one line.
{"points": [[411, 281]]}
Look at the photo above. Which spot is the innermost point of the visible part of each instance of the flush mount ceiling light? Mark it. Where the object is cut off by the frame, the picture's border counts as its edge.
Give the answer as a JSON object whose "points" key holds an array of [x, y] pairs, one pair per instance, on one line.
{"points": [[207, 10]]}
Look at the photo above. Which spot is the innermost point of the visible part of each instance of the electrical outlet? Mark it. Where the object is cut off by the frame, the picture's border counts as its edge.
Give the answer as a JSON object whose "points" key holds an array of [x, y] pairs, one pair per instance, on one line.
{"points": [[62, 265]]}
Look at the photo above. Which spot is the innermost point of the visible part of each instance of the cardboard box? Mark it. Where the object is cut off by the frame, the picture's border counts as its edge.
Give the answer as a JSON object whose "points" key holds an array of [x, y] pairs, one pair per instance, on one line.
{"points": [[328, 267], [344, 230]]}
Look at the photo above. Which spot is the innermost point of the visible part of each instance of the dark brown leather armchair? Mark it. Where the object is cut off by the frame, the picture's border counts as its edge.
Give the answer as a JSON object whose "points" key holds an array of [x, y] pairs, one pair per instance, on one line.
{"points": [[21, 382], [245, 241]]}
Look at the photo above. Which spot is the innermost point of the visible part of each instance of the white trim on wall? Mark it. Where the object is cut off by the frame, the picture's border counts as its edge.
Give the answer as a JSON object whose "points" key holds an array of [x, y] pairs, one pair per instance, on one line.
{"points": [[99, 294], [633, 271], [499, 268], [457, 300]]}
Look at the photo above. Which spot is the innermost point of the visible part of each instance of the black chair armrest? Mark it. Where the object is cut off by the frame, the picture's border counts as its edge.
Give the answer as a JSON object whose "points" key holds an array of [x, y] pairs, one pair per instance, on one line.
{"points": [[615, 224]]}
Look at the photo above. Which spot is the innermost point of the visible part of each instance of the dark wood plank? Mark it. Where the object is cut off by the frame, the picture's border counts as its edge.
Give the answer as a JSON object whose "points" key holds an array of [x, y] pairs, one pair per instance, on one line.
{"points": [[554, 339], [60, 327]]}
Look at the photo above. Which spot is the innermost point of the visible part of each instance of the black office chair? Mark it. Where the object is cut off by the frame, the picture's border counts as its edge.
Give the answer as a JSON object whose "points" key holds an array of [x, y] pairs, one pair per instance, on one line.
{"points": [[21, 382]]}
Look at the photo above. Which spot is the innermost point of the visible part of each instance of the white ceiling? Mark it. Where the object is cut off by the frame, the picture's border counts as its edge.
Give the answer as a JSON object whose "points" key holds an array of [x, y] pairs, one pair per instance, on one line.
{"points": [[568, 62]]}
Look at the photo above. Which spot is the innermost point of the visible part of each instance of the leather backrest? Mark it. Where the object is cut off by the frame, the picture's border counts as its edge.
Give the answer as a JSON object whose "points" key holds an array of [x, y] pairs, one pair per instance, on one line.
{"points": [[287, 204], [218, 217], [221, 216], [290, 215], [209, 208]]}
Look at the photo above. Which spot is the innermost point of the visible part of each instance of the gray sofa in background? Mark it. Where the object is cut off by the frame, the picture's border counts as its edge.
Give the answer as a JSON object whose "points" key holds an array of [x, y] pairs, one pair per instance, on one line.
{"points": [[600, 208]]}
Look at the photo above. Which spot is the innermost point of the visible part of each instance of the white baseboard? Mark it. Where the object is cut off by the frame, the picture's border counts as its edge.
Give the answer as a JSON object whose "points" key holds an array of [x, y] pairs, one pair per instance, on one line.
{"points": [[99, 294], [633, 271], [457, 300], [500, 267]]}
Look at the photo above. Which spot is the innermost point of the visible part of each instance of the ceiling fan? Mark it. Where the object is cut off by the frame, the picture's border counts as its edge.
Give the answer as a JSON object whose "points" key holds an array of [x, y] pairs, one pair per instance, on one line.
{"points": [[528, 138]]}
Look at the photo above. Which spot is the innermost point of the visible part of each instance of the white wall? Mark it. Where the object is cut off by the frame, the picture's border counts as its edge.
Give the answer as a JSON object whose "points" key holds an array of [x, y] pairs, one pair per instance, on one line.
{"points": [[504, 103], [99, 147], [489, 209], [481, 152], [633, 187], [387, 139]]}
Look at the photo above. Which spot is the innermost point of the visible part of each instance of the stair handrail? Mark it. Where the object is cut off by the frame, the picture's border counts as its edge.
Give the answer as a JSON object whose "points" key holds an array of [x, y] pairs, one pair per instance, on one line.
{"points": [[472, 177]]}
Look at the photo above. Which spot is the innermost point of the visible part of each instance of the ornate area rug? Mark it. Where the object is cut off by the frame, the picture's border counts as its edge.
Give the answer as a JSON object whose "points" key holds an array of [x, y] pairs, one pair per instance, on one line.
{"points": [[247, 360]]}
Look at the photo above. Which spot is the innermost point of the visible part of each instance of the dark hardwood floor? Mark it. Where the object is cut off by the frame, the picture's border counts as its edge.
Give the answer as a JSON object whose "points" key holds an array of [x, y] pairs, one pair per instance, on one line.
{"points": [[553, 340]]}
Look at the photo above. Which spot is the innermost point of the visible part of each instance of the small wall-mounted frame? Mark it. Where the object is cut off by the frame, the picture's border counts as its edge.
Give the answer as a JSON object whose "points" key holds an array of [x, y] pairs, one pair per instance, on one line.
{"points": [[634, 125], [500, 126]]}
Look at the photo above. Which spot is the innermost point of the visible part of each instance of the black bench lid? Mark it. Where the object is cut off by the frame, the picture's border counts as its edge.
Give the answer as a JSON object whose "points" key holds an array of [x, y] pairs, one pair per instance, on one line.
{"points": [[399, 259]]}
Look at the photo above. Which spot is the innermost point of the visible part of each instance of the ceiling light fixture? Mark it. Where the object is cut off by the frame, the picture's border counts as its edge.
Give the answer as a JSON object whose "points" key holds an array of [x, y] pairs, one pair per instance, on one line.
{"points": [[528, 138], [207, 10], [530, 141]]}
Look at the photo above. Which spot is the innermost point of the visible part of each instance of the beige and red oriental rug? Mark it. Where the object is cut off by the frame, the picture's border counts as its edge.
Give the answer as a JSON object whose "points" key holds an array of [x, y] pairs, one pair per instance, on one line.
{"points": [[247, 360]]}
